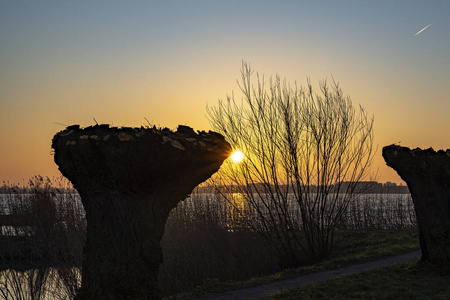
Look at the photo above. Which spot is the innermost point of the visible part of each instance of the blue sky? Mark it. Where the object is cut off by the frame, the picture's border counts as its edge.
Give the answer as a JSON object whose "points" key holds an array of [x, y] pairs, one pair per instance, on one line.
{"points": [[122, 61]]}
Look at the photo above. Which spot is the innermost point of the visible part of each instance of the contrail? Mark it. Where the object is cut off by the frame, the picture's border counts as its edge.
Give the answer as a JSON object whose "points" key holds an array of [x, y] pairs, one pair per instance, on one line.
{"points": [[423, 29]]}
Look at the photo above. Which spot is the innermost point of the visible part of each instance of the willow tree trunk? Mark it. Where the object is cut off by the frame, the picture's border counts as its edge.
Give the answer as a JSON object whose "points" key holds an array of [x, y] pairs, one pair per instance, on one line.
{"points": [[129, 179], [427, 174]]}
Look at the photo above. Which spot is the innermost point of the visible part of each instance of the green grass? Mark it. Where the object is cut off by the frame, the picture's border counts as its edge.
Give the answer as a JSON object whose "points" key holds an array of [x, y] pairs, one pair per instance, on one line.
{"points": [[412, 280], [351, 247], [360, 246]]}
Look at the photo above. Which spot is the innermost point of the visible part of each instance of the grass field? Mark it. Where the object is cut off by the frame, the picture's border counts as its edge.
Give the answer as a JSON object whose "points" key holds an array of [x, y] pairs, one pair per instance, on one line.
{"points": [[412, 280], [352, 247]]}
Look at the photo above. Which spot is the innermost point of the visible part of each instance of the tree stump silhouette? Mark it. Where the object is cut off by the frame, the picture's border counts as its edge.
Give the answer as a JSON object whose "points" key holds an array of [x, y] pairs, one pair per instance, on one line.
{"points": [[427, 174], [129, 179]]}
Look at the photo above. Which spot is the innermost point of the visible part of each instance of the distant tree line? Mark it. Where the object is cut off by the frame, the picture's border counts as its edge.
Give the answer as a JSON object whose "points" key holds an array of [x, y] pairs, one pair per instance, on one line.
{"points": [[363, 187]]}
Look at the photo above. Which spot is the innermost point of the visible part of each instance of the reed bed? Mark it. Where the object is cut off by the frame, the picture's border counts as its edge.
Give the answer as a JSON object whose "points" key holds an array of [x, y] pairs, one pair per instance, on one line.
{"points": [[379, 211], [206, 239]]}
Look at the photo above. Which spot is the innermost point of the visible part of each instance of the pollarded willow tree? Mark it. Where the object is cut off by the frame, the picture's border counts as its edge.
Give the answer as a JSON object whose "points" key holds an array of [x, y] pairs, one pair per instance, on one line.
{"points": [[305, 154]]}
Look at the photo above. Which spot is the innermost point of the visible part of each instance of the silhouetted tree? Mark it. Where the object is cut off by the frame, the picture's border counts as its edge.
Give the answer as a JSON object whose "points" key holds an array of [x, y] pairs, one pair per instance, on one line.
{"points": [[304, 154], [427, 174], [128, 180]]}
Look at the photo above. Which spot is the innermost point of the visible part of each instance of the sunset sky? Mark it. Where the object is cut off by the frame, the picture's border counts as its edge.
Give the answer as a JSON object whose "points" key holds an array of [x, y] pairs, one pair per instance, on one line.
{"points": [[68, 62]]}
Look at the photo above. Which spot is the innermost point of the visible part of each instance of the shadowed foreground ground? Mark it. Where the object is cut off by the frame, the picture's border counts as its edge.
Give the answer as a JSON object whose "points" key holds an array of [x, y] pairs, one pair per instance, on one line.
{"points": [[269, 289]]}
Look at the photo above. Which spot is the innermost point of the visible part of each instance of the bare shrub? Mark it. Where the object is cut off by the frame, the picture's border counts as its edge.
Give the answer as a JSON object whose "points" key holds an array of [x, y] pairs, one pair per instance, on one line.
{"points": [[304, 152]]}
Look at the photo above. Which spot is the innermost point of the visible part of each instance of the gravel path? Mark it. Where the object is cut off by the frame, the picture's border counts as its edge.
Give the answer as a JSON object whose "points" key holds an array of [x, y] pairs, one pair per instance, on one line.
{"points": [[271, 288]]}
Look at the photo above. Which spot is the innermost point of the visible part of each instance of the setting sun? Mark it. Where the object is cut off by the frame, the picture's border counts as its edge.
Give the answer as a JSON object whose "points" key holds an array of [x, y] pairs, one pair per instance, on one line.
{"points": [[237, 156]]}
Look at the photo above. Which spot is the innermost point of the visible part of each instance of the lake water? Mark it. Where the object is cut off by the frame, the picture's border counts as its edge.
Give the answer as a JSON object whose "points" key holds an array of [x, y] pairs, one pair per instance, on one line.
{"points": [[364, 209], [48, 284]]}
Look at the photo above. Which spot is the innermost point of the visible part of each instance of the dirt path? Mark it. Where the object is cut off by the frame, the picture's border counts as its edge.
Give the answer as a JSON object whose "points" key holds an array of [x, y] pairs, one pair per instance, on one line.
{"points": [[281, 285]]}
